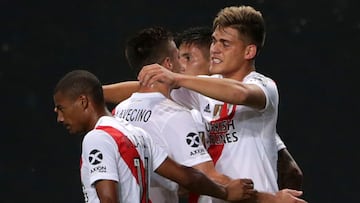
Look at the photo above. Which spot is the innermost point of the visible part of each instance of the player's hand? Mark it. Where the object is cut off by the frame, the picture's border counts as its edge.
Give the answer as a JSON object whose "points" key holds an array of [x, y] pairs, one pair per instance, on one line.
{"points": [[240, 189], [289, 196], [156, 73]]}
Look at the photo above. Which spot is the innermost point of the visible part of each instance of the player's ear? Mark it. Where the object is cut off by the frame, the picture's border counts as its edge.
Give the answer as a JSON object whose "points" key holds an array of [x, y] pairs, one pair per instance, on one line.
{"points": [[250, 51], [84, 101], [167, 63]]}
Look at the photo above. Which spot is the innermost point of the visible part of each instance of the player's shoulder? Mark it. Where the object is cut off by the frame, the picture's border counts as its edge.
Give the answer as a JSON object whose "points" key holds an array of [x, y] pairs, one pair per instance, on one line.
{"points": [[169, 111], [170, 106], [127, 128], [96, 137], [123, 128], [256, 77]]}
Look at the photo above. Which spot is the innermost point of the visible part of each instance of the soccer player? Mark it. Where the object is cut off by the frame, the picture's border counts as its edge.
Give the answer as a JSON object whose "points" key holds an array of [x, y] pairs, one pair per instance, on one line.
{"points": [[171, 126], [117, 158], [194, 44], [239, 104], [194, 51]]}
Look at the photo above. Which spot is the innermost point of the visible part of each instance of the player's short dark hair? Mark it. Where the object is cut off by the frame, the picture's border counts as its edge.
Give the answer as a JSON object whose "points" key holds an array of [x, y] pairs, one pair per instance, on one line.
{"points": [[148, 46], [199, 36], [78, 82]]}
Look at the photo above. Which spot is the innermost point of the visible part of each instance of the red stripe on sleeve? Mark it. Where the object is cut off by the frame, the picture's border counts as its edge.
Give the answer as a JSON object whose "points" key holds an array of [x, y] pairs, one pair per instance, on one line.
{"points": [[128, 152]]}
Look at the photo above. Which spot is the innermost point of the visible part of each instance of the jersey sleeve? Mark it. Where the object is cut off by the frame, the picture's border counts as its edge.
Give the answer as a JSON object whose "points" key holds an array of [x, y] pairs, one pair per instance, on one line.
{"points": [[100, 152], [184, 141], [158, 155], [200, 126], [279, 143], [185, 97], [269, 88]]}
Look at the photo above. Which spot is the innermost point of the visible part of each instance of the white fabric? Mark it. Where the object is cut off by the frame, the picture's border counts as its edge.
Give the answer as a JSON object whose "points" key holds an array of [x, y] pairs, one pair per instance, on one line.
{"points": [[279, 143], [248, 137], [172, 128], [199, 123], [101, 159]]}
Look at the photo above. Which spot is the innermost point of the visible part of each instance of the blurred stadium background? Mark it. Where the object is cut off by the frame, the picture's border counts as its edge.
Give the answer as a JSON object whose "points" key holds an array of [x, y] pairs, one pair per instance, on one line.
{"points": [[311, 51]]}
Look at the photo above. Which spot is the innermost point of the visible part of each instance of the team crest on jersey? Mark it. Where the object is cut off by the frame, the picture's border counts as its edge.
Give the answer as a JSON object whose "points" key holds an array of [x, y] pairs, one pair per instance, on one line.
{"points": [[217, 110], [219, 107], [203, 138]]}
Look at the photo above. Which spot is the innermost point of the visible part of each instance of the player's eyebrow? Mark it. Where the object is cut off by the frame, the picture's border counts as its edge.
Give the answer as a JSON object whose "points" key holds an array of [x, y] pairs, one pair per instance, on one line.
{"points": [[58, 107], [185, 54]]}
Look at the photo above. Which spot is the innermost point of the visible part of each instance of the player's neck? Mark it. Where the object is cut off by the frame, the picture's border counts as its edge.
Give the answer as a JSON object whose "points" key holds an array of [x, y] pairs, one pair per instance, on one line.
{"points": [[100, 112], [240, 74], [156, 87]]}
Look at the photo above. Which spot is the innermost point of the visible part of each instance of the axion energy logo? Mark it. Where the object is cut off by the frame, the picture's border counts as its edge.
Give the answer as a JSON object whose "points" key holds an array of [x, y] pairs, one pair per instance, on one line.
{"points": [[95, 157], [193, 140]]}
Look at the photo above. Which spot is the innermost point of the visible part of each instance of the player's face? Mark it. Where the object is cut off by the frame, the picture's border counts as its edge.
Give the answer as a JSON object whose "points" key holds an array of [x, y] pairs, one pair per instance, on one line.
{"points": [[227, 52], [177, 67], [194, 60], [70, 113]]}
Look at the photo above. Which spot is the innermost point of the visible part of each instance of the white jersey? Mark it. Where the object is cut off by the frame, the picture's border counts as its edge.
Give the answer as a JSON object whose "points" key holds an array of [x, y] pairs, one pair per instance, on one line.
{"points": [[199, 121], [172, 128], [115, 150], [279, 143], [242, 139]]}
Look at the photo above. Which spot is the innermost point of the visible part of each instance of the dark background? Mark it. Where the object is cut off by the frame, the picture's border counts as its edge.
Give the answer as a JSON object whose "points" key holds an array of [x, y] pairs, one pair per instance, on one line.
{"points": [[312, 52]]}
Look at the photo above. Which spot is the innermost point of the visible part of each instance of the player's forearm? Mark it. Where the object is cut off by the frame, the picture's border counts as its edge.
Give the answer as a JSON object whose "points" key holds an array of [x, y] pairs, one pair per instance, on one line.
{"points": [[220, 178], [227, 90], [199, 183], [289, 173], [292, 178], [260, 197], [208, 169], [282, 196], [117, 92]]}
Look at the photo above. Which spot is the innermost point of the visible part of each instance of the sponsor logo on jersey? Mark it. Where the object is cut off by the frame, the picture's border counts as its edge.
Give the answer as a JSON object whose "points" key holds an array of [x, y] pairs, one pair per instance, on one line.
{"points": [[198, 151], [193, 140], [221, 130], [223, 138], [207, 108], [100, 169], [218, 127], [95, 157]]}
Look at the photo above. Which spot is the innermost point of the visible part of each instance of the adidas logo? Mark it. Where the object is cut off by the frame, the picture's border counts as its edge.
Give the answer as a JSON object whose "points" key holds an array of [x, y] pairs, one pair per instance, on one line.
{"points": [[207, 108]]}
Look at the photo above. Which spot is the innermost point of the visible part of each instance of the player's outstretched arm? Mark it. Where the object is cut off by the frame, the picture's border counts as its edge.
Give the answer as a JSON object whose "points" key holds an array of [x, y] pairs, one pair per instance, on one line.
{"points": [[223, 89], [117, 92], [208, 169], [289, 196], [282, 196], [197, 182]]}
